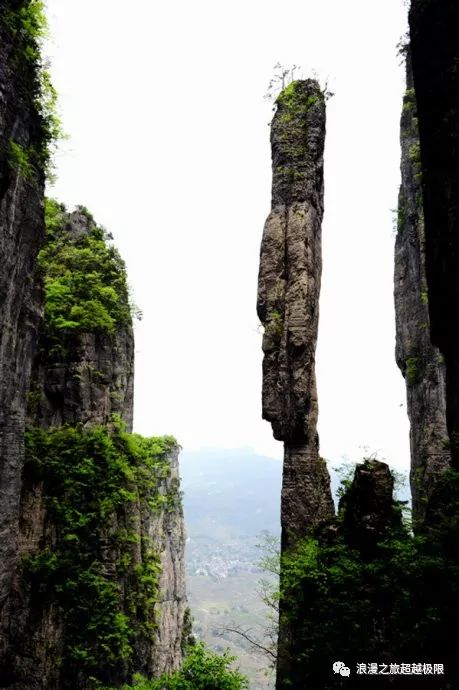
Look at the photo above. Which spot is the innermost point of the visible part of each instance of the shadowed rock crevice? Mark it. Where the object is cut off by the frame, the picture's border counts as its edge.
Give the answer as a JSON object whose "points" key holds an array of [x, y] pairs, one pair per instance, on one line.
{"points": [[421, 363], [435, 60]]}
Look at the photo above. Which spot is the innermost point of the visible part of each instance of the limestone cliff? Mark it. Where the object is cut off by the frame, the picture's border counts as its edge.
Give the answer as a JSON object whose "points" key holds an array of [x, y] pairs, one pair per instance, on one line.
{"points": [[21, 233], [288, 307], [91, 524], [84, 369], [435, 59], [99, 591], [421, 363], [167, 532]]}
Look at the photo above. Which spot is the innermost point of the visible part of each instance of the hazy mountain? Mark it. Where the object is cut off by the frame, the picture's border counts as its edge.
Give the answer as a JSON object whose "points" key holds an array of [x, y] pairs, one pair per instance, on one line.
{"points": [[230, 493]]}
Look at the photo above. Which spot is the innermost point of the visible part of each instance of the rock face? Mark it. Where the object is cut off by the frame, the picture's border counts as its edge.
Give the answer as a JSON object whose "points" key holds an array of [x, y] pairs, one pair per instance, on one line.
{"points": [[421, 363], [167, 532], [291, 264], [83, 382], [91, 523], [83, 376], [435, 55], [368, 508], [288, 303], [288, 307], [21, 233]]}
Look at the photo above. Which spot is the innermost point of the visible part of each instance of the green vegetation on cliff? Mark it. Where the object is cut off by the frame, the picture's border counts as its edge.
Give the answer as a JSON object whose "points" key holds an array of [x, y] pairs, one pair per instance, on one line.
{"points": [[398, 601], [299, 107], [98, 484], [201, 670], [28, 26], [84, 276], [19, 160], [295, 102]]}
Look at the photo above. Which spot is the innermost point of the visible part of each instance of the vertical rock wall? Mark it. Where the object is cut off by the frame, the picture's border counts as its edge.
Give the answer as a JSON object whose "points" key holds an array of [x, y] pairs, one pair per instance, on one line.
{"points": [[166, 529], [421, 363], [83, 379], [79, 377], [288, 307], [21, 233], [435, 59], [82, 383]]}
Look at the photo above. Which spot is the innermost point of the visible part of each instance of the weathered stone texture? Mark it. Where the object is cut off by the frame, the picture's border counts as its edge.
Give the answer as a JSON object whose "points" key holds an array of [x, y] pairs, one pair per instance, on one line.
{"points": [[288, 307], [90, 376], [289, 282], [21, 232], [306, 497], [86, 381], [368, 508], [435, 59], [288, 303], [291, 264], [421, 363], [167, 532]]}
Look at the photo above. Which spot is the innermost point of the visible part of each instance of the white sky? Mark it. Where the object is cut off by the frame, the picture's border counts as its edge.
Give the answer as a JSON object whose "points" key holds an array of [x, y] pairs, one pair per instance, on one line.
{"points": [[169, 149]]}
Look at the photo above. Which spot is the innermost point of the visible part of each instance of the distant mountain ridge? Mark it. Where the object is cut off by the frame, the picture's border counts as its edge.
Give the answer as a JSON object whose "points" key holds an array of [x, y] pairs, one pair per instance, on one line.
{"points": [[229, 494]]}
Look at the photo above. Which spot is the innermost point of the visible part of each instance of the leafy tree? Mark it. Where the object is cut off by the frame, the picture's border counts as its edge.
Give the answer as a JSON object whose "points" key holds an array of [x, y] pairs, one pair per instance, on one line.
{"points": [[201, 670], [84, 277], [399, 601]]}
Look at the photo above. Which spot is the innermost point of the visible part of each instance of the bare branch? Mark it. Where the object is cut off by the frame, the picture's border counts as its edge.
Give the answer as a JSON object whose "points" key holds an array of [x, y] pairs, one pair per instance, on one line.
{"points": [[253, 642]]}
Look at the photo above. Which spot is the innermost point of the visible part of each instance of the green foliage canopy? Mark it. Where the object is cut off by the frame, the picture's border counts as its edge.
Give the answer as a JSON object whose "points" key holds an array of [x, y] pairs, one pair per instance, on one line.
{"points": [[93, 479], [201, 670], [402, 603], [28, 26], [84, 277]]}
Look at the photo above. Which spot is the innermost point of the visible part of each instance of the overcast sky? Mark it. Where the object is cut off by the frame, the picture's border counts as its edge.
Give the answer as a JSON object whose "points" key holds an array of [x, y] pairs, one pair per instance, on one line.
{"points": [[169, 149]]}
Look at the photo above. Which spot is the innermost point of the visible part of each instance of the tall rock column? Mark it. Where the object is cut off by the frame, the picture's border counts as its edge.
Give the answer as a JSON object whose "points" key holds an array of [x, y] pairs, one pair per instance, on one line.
{"points": [[21, 233], [288, 307], [421, 363]]}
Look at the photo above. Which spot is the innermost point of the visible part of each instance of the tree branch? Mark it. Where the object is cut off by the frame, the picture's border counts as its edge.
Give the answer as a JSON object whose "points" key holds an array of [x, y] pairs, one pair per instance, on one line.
{"points": [[252, 641]]}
